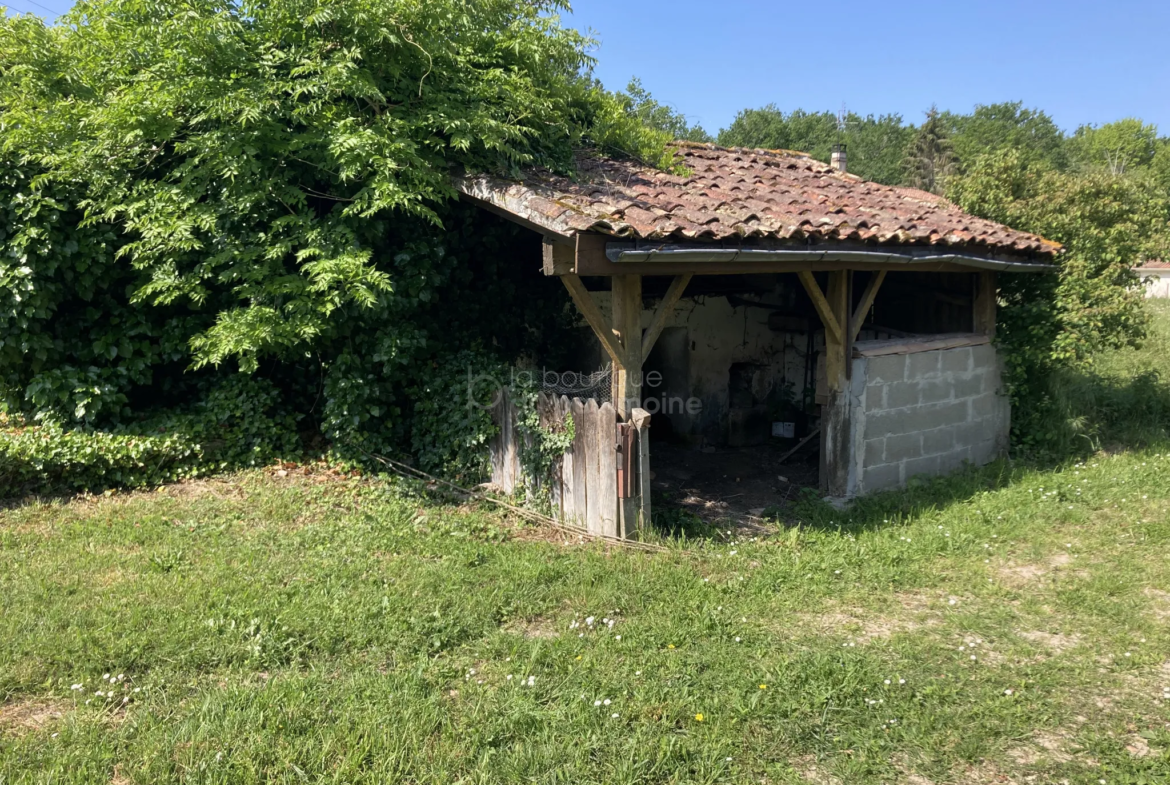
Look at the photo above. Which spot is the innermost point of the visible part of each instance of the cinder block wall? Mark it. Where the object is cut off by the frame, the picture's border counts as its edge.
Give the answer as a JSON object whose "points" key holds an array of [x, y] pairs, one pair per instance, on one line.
{"points": [[925, 413]]}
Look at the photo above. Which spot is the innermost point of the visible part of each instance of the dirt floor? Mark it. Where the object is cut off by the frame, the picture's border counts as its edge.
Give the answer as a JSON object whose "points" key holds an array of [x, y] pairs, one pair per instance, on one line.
{"points": [[733, 484]]}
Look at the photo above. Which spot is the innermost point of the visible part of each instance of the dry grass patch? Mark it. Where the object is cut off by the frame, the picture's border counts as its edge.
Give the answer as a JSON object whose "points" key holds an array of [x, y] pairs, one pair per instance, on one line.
{"points": [[27, 716], [1055, 642], [814, 772], [538, 627], [1159, 604], [1044, 746], [1024, 575], [916, 612]]}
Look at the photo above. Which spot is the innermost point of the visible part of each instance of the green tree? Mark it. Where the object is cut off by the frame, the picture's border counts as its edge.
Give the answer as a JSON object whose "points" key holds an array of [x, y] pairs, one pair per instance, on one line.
{"points": [[876, 145], [185, 184], [1117, 147], [1107, 224], [642, 106], [930, 159], [993, 127]]}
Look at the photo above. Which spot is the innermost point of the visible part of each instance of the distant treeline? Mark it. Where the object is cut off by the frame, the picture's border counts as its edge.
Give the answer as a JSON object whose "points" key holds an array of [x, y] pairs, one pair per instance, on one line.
{"points": [[888, 149]]}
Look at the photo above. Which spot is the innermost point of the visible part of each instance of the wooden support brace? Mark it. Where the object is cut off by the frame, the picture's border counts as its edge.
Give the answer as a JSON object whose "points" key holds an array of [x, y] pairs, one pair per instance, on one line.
{"points": [[824, 310], [559, 258], [665, 308], [594, 318], [871, 290]]}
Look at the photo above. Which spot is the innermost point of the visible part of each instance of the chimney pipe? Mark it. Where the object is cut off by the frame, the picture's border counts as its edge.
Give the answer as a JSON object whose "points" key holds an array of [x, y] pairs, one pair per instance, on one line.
{"points": [[838, 159]]}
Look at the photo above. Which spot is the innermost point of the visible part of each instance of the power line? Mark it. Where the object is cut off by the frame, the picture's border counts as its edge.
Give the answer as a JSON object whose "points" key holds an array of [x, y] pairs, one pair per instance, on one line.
{"points": [[38, 5]]}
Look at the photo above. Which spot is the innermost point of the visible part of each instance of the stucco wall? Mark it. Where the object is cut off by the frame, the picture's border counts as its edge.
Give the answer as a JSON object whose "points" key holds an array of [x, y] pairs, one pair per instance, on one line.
{"points": [[705, 338], [1157, 282], [924, 414]]}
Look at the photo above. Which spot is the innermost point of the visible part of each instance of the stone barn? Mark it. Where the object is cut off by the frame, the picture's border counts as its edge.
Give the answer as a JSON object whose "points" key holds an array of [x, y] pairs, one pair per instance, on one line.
{"points": [[762, 297]]}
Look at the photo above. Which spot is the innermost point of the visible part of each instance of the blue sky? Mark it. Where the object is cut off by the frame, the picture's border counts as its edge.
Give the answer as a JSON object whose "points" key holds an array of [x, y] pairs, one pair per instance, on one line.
{"points": [[1080, 61]]}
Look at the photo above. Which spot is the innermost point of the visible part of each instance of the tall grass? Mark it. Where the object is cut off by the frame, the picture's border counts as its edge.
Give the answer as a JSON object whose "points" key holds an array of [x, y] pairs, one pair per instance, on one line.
{"points": [[1122, 400]]}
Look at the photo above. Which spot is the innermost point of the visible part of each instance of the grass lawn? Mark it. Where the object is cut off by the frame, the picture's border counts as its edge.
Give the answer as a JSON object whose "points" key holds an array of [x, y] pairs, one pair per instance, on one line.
{"points": [[1008, 624]]}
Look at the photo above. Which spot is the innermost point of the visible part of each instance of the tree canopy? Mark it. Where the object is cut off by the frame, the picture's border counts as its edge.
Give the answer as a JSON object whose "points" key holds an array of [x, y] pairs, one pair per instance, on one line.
{"points": [[197, 182], [876, 145]]}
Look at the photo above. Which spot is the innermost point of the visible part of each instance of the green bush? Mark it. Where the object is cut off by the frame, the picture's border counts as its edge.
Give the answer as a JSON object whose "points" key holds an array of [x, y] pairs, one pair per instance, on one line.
{"points": [[1054, 326], [239, 423]]}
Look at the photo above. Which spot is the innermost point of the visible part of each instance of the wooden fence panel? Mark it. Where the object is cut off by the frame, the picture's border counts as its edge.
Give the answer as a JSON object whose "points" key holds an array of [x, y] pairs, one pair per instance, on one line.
{"points": [[592, 469], [580, 463], [606, 430], [583, 483]]}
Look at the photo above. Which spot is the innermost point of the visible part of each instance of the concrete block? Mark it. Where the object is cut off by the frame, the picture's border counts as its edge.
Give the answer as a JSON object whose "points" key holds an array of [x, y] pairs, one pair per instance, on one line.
{"points": [[890, 368], [953, 460], [968, 385], [878, 478], [875, 452], [983, 356], [984, 452], [903, 446], [923, 365], [902, 394], [939, 415], [956, 360], [875, 397], [972, 432], [938, 441], [920, 466], [885, 423], [984, 406], [935, 391]]}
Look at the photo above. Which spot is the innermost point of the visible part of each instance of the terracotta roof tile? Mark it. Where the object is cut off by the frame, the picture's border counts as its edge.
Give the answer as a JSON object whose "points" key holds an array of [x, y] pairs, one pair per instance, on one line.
{"points": [[735, 193]]}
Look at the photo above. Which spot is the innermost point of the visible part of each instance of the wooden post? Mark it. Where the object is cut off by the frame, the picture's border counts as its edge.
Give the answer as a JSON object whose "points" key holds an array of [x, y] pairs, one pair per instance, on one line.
{"points": [[641, 420], [627, 325], [835, 444], [838, 301], [985, 303], [627, 380]]}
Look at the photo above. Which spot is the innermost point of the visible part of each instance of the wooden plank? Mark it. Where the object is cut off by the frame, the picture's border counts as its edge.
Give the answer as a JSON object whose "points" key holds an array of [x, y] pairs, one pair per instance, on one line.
{"points": [[511, 454], [568, 496], [558, 257], [838, 304], [881, 348], [627, 324], [496, 445], [593, 317], [580, 466], [641, 420], [824, 310], [607, 503], [663, 313], [592, 469], [985, 296], [553, 418], [871, 290]]}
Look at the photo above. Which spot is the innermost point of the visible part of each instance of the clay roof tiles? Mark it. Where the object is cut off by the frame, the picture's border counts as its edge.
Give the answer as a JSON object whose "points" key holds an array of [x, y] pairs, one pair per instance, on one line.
{"points": [[735, 194]]}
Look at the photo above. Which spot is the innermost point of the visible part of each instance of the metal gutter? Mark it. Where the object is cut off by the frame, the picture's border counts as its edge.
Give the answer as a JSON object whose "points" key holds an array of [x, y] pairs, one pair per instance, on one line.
{"points": [[630, 252]]}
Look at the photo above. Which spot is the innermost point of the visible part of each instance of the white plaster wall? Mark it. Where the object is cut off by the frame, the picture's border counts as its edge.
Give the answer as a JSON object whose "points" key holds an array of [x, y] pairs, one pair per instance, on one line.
{"points": [[1157, 282], [720, 335]]}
